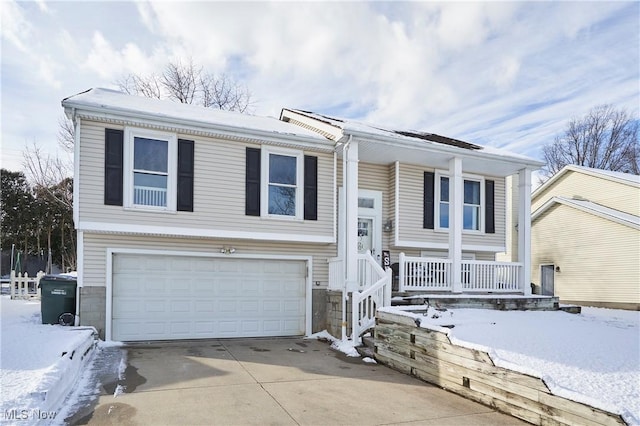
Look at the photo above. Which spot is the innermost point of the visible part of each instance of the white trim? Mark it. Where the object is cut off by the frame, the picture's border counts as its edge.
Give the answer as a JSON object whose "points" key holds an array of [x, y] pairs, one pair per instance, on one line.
{"points": [[127, 228], [265, 152], [445, 246], [335, 196], [80, 258], [577, 204], [396, 227], [76, 167], [172, 163], [109, 277]]}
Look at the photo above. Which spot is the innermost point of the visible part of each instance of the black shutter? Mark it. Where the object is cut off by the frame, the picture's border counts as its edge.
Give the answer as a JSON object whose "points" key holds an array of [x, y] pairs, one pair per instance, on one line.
{"points": [[113, 149], [185, 175], [252, 182], [489, 210], [310, 187], [429, 187]]}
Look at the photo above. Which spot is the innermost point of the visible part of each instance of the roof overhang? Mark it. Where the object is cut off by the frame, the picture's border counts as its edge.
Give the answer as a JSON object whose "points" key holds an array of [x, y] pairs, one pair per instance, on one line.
{"points": [[113, 112], [591, 208]]}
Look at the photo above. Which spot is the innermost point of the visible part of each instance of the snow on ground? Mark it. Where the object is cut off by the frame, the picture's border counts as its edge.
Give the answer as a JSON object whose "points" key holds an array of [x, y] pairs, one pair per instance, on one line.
{"points": [[592, 357], [39, 363]]}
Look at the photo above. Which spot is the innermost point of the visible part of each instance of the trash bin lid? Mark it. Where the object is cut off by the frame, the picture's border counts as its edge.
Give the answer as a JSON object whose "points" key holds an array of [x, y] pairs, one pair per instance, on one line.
{"points": [[58, 278]]}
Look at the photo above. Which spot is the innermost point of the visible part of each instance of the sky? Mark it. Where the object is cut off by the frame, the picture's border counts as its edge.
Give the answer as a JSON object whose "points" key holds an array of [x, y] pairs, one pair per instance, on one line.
{"points": [[503, 74]]}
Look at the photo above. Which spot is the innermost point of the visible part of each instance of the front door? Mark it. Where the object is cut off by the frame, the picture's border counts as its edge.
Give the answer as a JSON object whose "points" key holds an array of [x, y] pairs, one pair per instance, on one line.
{"points": [[369, 222], [546, 279], [365, 235]]}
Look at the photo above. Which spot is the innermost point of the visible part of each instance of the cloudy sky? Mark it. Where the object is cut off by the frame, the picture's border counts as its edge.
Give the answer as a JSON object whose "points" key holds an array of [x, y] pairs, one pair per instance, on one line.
{"points": [[504, 74]]}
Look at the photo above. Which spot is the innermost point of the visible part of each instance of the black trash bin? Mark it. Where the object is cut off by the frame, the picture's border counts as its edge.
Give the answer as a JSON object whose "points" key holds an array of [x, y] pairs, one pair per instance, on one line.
{"points": [[58, 299]]}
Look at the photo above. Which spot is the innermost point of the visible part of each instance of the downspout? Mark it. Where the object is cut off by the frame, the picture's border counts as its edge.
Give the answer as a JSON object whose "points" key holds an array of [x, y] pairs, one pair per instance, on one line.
{"points": [[345, 241]]}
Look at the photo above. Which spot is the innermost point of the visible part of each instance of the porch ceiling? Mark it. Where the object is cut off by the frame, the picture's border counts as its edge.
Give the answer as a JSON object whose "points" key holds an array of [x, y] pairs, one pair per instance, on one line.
{"points": [[484, 162]]}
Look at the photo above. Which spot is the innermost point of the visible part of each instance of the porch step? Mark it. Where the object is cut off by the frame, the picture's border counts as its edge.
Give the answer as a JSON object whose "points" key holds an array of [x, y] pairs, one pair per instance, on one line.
{"points": [[503, 302], [367, 349]]}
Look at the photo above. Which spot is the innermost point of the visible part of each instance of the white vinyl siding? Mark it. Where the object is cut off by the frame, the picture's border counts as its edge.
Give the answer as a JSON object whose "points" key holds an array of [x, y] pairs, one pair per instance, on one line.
{"points": [[96, 245], [615, 195], [219, 190], [598, 258], [412, 210]]}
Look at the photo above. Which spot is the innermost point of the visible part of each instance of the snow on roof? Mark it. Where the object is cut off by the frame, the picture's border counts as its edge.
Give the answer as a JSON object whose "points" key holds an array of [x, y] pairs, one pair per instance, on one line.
{"points": [[364, 129], [113, 101], [593, 208]]}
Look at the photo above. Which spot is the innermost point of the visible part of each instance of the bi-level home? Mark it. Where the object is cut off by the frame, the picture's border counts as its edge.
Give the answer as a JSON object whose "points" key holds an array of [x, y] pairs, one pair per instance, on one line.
{"points": [[200, 223]]}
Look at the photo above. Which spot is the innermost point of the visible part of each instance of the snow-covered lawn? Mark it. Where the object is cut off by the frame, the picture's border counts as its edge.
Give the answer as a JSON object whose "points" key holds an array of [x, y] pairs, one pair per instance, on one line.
{"points": [[39, 363], [592, 357]]}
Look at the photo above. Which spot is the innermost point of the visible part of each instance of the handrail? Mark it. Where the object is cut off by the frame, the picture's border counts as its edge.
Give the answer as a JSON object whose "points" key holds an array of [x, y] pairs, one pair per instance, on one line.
{"points": [[366, 301]]}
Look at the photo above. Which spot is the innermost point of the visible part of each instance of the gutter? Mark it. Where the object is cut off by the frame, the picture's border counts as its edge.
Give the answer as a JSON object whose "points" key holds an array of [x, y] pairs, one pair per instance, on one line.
{"points": [[227, 130]]}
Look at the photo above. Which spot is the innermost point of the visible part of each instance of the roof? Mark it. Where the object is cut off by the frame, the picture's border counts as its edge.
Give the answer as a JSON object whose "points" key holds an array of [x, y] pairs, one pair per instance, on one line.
{"points": [[107, 101], [591, 208], [623, 178], [368, 131]]}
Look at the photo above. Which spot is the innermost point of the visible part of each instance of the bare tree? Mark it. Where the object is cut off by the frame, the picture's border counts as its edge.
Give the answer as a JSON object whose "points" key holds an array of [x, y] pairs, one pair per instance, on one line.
{"points": [[46, 172], [66, 133], [605, 138], [188, 83]]}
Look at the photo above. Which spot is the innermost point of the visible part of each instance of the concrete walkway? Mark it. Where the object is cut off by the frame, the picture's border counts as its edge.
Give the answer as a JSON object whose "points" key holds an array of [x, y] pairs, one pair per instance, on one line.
{"points": [[271, 381]]}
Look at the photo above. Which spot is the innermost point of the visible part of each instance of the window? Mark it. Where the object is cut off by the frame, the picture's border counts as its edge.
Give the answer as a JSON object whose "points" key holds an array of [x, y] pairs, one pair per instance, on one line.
{"points": [[150, 174], [472, 204], [282, 170], [471, 209]]}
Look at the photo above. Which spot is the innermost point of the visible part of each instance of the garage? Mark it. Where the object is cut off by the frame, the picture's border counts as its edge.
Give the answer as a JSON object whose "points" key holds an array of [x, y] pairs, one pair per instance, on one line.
{"points": [[167, 297]]}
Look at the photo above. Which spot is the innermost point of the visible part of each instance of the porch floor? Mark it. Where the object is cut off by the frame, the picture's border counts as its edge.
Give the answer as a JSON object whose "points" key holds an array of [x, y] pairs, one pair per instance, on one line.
{"points": [[504, 302]]}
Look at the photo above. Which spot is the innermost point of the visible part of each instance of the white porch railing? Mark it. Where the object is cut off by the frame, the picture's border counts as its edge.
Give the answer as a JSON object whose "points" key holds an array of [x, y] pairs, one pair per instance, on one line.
{"points": [[375, 292], [433, 274], [423, 273], [25, 287], [497, 277]]}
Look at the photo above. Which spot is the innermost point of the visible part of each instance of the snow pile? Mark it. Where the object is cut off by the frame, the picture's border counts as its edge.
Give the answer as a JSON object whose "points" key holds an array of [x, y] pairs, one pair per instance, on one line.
{"points": [[345, 346], [592, 357], [39, 363]]}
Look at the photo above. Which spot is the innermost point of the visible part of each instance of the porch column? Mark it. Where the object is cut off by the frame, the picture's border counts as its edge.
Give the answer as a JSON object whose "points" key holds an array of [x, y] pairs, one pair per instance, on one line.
{"points": [[350, 182], [456, 195], [524, 229]]}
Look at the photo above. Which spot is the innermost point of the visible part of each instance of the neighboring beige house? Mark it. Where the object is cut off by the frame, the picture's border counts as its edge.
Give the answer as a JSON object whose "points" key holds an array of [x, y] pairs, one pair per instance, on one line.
{"points": [[201, 223], [585, 237]]}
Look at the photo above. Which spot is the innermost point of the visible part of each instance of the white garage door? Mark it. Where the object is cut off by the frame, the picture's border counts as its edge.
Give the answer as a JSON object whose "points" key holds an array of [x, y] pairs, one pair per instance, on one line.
{"points": [[177, 297]]}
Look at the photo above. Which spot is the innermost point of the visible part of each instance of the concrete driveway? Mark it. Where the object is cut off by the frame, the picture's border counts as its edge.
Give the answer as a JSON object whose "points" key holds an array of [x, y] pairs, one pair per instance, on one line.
{"points": [[283, 381]]}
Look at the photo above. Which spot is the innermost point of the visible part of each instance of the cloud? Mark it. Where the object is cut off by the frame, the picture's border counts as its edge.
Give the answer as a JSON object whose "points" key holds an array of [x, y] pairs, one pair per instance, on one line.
{"points": [[15, 27]]}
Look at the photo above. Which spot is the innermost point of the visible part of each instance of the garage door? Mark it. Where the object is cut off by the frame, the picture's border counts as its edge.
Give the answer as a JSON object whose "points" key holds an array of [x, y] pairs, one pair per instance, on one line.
{"points": [[178, 297]]}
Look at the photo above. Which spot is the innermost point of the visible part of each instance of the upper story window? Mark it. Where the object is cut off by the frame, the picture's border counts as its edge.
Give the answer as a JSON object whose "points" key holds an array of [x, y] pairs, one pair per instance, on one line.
{"points": [[282, 183], [150, 170], [472, 204]]}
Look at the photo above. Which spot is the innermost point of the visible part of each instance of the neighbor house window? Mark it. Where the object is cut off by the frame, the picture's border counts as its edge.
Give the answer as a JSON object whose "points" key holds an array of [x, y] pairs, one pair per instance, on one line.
{"points": [[472, 204], [150, 180], [283, 183]]}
